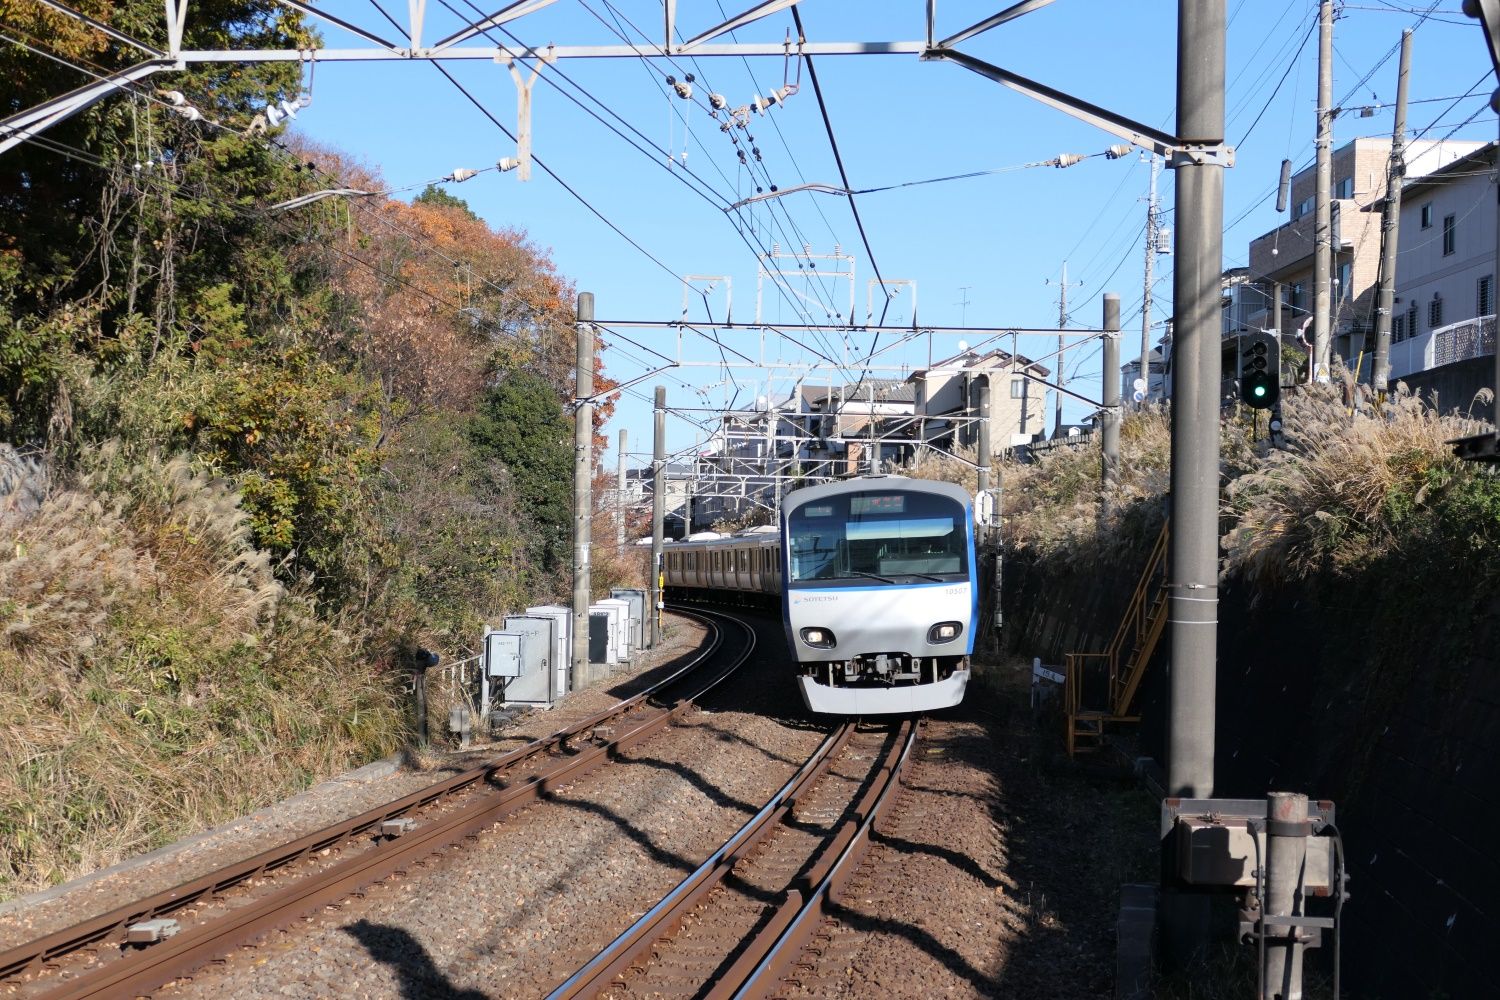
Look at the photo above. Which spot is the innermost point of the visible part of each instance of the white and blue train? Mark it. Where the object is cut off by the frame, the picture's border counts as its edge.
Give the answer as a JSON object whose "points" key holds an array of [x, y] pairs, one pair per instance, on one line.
{"points": [[877, 581]]}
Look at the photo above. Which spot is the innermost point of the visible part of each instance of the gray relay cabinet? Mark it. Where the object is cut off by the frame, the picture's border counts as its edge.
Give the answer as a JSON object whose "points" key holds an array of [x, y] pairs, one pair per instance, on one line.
{"points": [[563, 642], [513, 670], [639, 620], [541, 636]]}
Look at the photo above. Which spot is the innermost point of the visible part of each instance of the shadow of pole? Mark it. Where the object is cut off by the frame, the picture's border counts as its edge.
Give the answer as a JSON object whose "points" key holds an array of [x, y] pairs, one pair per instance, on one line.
{"points": [[420, 978]]}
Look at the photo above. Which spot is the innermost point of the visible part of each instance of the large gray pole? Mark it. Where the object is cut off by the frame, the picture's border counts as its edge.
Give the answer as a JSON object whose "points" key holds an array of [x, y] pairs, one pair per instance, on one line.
{"points": [[658, 506], [620, 492], [1199, 248], [1286, 859], [1323, 217], [583, 488], [1111, 417], [1152, 234], [1390, 226], [986, 451]]}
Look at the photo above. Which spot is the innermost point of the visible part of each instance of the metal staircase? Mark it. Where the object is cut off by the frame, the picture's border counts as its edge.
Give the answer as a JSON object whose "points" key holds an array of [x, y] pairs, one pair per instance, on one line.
{"points": [[1107, 682]]}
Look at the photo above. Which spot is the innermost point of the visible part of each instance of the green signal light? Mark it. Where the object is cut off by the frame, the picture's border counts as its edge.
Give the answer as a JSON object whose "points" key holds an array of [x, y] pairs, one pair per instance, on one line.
{"points": [[1259, 390]]}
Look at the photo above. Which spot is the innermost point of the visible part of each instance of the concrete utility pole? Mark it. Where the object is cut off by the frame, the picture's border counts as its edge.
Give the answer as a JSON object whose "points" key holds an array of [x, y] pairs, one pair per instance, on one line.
{"points": [[1199, 249], [1390, 226], [982, 409], [1193, 570], [1110, 419], [658, 506], [1062, 325], [620, 492], [1153, 233], [1323, 219], [583, 488]]}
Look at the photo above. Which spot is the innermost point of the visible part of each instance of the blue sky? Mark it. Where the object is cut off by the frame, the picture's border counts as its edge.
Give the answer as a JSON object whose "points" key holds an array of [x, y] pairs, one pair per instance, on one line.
{"points": [[994, 240]]}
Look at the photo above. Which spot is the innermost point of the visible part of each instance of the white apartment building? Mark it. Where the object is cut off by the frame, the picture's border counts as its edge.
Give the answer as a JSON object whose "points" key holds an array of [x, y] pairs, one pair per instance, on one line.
{"points": [[1444, 311], [1281, 261]]}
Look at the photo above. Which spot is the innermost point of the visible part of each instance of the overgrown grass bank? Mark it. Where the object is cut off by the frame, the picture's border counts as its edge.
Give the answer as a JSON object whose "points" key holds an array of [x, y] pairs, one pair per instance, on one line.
{"points": [[157, 677]]}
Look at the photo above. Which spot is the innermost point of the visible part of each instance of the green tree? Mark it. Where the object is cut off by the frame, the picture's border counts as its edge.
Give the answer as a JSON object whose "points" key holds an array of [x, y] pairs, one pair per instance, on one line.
{"points": [[438, 198], [520, 422]]}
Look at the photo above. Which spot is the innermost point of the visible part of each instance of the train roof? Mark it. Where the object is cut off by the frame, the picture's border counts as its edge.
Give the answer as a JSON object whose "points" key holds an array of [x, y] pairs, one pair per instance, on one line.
{"points": [[866, 484]]}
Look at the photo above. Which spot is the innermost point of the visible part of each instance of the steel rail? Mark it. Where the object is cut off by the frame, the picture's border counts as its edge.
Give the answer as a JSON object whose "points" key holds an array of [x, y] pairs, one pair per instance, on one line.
{"points": [[793, 926], [617, 956], [834, 856], [195, 945]]}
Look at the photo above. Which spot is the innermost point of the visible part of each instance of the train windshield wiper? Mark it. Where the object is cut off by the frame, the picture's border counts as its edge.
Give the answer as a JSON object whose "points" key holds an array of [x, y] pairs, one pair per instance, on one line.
{"points": [[927, 576], [871, 576]]}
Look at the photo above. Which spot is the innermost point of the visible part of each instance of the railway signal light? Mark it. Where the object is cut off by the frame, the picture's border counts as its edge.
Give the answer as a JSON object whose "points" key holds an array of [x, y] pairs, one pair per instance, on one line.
{"points": [[1260, 370]]}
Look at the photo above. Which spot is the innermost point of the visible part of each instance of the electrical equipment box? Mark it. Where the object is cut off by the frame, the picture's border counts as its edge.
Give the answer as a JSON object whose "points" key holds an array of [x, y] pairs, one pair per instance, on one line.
{"points": [[502, 654], [562, 639], [537, 683], [640, 619], [620, 625], [987, 508], [601, 637]]}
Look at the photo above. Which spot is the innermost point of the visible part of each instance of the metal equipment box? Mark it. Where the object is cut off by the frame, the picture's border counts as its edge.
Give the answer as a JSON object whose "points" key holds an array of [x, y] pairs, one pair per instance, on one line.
{"points": [[601, 636], [541, 648], [622, 630], [502, 654], [562, 639], [513, 670], [638, 612]]}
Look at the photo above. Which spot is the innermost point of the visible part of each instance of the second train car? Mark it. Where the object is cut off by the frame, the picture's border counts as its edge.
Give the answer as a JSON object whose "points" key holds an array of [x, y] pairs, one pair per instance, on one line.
{"points": [[877, 582]]}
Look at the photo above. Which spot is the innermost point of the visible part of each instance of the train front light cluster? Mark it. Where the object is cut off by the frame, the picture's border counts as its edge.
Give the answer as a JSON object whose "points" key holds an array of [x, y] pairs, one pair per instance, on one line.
{"points": [[819, 638], [944, 632]]}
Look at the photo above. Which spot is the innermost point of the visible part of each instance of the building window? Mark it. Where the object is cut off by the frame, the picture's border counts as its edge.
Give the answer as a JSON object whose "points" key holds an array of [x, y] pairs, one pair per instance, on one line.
{"points": [[1427, 216], [1435, 311], [1018, 387], [1411, 320], [1398, 328], [1297, 296], [1485, 301], [1344, 188], [1346, 273], [1448, 241], [1303, 207]]}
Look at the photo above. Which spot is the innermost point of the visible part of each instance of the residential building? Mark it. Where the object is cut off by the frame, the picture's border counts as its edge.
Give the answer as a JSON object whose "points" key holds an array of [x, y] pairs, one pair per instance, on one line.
{"points": [[840, 424], [1281, 261], [943, 396], [1156, 380], [1444, 309], [677, 491]]}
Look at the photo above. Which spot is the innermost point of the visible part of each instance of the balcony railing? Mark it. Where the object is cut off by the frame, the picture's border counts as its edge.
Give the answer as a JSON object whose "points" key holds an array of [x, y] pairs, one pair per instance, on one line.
{"points": [[1471, 338]]}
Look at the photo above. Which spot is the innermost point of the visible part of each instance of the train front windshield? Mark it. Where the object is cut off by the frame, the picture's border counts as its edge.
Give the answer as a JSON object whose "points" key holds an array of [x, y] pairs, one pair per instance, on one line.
{"points": [[878, 537]]}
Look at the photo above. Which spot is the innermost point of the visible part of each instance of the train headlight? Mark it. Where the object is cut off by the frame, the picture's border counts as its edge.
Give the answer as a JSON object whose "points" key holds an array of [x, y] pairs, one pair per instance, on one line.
{"points": [[821, 638], [944, 632]]}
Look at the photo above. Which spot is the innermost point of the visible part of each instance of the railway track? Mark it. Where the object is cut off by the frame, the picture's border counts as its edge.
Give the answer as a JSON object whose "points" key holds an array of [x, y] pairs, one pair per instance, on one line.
{"points": [[736, 926], [236, 905]]}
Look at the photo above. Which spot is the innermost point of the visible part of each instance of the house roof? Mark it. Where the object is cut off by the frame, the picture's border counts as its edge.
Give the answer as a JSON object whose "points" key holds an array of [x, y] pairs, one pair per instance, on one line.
{"points": [[887, 390], [973, 359], [1482, 157]]}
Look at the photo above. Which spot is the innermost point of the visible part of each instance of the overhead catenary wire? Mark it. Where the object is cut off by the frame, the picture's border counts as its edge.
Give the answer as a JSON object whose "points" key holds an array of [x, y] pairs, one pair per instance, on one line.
{"points": [[381, 218]]}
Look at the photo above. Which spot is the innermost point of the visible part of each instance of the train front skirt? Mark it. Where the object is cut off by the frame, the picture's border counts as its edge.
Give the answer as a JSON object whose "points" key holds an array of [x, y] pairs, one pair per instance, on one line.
{"points": [[881, 700]]}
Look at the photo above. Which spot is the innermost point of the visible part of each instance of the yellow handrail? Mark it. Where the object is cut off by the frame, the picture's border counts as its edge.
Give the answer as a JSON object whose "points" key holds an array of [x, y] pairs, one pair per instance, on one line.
{"points": [[1133, 642]]}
